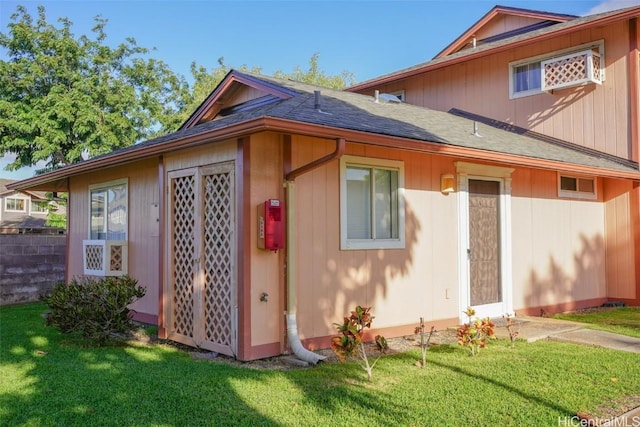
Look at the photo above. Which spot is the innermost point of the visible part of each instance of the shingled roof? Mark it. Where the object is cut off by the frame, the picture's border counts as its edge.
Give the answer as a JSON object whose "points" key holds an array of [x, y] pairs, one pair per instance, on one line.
{"points": [[329, 112]]}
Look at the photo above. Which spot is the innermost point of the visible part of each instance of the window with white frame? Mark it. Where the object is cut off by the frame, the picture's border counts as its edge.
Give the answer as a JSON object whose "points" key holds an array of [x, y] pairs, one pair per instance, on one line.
{"points": [[371, 203], [576, 187], [15, 204], [108, 211], [527, 76]]}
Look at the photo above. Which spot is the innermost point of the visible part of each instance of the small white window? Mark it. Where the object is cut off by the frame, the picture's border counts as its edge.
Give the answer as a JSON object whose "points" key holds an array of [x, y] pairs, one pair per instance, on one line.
{"points": [[15, 204], [526, 78], [399, 94], [371, 203], [108, 211], [576, 187]]}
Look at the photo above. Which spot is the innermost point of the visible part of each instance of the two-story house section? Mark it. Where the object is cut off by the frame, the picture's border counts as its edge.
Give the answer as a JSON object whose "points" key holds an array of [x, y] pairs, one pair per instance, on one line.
{"points": [[20, 210], [570, 80]]}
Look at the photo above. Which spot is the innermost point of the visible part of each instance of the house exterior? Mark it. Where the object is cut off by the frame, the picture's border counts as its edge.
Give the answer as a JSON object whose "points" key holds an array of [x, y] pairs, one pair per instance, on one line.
{"points": [[21, 210], [573, 79], [279, 206]]}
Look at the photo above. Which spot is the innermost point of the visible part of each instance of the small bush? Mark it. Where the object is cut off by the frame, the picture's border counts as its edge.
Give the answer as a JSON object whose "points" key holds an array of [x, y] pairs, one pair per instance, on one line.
{"points": [[474, 333], [93, 308], [348, 342]]}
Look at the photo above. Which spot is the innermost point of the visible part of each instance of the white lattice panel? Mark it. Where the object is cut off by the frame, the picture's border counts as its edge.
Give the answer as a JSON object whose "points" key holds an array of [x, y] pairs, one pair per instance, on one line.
{"points": [[183, 228], [571, 70], [218, 239], [94, 257]]}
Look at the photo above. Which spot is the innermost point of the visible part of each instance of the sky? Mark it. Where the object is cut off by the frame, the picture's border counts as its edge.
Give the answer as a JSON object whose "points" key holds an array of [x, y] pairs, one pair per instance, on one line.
{"points": [[368, 38]]}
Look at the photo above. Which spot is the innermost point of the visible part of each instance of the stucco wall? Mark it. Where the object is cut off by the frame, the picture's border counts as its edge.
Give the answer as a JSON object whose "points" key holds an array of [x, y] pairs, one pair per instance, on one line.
{"points": [[30, 265]]}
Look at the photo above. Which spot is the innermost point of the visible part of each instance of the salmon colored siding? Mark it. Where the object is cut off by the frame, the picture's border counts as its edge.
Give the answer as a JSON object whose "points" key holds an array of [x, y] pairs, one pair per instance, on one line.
{"points": [[558, 244], [266, 270], [593, 116], [143, 229], [421, 280], [619, 243]]}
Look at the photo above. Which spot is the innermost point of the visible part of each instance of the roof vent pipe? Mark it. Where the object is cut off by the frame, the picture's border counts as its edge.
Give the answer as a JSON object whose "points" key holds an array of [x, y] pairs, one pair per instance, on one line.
{"points": [[376, 96], [316, 94], [475, 129]]}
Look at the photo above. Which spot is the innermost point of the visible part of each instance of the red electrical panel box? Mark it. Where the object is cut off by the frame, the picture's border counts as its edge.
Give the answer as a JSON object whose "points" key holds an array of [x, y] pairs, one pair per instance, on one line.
{"points": [[271, 225]]}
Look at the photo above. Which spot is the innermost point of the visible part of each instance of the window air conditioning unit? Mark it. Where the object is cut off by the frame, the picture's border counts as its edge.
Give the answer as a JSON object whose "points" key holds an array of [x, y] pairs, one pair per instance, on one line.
{"points": [[104, 257], [575, 69]]}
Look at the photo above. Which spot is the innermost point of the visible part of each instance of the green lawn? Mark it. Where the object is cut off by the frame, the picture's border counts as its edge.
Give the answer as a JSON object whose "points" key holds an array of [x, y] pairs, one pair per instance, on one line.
{"points": [[49, 379], [623, 320]]}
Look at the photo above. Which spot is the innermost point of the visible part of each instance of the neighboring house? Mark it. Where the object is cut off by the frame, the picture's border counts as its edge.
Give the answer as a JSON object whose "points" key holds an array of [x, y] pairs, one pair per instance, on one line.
{"points": [[572, 80], [413, 211], [21, 210]]}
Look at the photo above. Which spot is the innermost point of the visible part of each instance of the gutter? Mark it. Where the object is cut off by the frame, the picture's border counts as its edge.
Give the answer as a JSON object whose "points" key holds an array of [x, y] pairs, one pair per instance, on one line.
{"points": [[292, 326], [264, 124]]}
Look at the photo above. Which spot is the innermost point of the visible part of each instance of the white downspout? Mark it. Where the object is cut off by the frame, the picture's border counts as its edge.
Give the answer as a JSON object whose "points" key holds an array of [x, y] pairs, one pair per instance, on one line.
{"points": [[292, 324], [292, 302]]}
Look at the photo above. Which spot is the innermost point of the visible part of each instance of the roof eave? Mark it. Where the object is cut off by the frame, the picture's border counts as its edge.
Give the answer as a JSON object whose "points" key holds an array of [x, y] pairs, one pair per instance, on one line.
{"points": [[458, 42], [300, 128]]}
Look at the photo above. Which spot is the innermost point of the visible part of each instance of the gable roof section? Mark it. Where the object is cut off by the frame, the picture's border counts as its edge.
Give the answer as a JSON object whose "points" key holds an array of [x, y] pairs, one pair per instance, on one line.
{"points": [[328, 113], [544, 19], [233, 81], [502, 45], [4, 191]]}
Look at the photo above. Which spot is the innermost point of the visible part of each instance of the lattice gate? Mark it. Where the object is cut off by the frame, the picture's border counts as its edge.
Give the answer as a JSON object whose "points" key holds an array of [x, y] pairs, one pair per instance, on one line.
{"points": [[201, 281]]}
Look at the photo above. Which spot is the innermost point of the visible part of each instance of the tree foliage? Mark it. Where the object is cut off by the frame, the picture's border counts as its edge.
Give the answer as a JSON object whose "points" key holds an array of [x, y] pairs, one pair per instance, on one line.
{"points": [[65, 98], [205, 81], [314, 75]]}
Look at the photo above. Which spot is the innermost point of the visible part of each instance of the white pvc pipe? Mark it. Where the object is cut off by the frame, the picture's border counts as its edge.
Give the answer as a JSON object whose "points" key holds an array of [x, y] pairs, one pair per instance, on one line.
{"points": [[292, 324]]}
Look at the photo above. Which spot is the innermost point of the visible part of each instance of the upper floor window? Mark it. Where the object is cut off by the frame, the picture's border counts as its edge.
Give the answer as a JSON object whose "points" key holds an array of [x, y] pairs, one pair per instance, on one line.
{"points": [[526, 78], [371, 203], [108, 213], [39, 206], [563, 68], [15, 204], [576, 187]]}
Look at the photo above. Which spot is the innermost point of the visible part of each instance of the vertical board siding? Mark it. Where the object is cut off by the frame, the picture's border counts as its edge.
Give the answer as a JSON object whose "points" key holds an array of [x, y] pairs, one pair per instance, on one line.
{"points": [[143, 235], [619, 242], [594, 116], [557, 245], [266, 272]]}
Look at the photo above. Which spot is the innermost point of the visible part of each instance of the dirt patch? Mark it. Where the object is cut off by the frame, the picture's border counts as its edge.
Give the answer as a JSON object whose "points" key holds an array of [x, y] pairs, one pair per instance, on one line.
{"points": [[287, 362]]}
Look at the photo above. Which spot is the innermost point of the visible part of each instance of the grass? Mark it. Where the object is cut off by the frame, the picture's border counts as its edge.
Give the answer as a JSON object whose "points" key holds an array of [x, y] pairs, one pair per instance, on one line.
{"points": [[50, 379], [623, 320]]}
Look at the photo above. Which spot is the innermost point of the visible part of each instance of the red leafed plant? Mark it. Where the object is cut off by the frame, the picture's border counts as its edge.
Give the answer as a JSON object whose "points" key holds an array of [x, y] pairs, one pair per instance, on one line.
{"points": [[474, 334], [348, 342]]}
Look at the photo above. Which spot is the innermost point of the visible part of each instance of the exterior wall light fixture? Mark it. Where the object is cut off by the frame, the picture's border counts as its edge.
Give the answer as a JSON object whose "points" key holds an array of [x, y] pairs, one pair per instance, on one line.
{"points": [[447, 183]]}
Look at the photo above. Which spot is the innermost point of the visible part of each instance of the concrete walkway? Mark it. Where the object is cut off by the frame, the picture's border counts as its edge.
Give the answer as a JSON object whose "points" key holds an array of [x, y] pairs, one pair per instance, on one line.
{"points": [[537, 328]]}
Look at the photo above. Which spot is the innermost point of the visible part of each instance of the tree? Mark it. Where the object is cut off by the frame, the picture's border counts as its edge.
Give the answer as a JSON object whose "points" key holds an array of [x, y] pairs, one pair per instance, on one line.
{"points": [[65, 98], [317, 77], [206, 81]]}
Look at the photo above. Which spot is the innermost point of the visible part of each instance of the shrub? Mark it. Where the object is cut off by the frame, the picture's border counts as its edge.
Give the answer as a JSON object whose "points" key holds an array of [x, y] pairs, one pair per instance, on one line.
{"points": [[474, 333], [93, 308], [424, 345], [349, 341]]}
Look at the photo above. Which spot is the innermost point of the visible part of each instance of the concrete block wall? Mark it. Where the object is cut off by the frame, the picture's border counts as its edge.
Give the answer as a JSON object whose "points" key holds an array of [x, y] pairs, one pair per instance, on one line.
{"points": [[30, 264]]}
